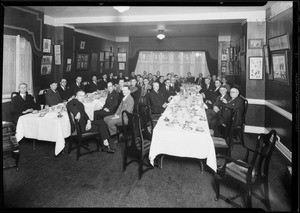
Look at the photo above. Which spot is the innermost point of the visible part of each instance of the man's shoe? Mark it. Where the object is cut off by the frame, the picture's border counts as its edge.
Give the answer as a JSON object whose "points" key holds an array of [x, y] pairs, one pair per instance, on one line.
{"points": [[107, 149]]}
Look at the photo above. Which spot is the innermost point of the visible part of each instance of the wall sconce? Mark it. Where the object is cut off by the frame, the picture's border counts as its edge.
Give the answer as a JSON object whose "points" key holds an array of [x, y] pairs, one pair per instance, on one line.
{"points": [[121, 9], [160, 35]]}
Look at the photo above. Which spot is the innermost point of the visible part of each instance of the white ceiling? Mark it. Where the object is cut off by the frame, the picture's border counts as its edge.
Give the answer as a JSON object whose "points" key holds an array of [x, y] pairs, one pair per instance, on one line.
{"points": [[145, 21]]}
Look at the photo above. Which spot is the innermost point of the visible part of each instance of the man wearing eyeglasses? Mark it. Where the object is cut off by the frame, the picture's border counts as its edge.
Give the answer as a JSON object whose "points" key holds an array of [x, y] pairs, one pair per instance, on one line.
{"points": [[167, 91], [235, 103]]}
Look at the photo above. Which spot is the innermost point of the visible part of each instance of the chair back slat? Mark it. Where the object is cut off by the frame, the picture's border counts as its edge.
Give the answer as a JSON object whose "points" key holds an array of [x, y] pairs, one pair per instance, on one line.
{"points": [[75, 127], [144, 112], [133, 134]]}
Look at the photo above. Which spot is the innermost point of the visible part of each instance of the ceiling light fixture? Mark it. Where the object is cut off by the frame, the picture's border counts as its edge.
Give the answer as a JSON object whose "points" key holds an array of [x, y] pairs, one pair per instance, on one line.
{"points": [[121, 9], [160, 35]]}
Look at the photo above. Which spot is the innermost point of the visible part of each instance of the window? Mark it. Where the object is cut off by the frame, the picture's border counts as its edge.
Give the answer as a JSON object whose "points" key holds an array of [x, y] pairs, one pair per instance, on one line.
{"points": [[17, 64], [178, 62]]}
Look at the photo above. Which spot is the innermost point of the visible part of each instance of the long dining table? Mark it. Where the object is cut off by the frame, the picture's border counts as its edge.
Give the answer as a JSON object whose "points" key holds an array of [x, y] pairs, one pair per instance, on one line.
{"points": [[183, 131], [53, 124]]}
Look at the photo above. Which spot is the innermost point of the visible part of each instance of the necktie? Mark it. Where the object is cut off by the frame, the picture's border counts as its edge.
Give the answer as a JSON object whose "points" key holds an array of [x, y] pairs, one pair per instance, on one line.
{"points": [[24, 97]]}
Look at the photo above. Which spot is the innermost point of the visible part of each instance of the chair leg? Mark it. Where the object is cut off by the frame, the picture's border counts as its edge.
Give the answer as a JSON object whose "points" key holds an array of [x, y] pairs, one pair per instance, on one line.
{"points": [[267, 198], [217, 185], [161, 161], [249, 199], [201, 166], [17, 161], [140, 168], [124, 161], [78, 149], [33, 144]]}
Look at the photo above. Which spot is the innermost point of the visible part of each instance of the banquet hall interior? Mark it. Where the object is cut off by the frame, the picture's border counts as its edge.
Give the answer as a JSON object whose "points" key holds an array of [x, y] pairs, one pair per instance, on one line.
{"points": [[66, 150]]}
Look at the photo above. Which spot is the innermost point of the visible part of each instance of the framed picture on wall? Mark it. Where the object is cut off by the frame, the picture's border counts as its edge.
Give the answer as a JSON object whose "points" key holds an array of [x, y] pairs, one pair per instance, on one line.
{"points": [[106, 55], [101, 67], [266, 58], [46, 45], [68, 69], [279, 43], [223, 63], [223, 69], [46, 65], [57, 55], [279, 67], [82, 45], [101, 56], [256, 68], [82, 61], [121, 57], [121, 66], [106, 65], [224, 57], [256, 43]]}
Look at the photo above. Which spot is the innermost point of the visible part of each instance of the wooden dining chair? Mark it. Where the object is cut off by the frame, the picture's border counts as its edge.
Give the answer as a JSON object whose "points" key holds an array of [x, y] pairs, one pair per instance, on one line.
{"points": [[136, 146], [10, 146], [79, 138], [147, 126], [250, 172]]}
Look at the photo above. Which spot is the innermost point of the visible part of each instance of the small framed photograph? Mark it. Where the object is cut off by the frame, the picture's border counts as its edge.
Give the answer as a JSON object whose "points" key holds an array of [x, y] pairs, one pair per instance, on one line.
{"points": [[68, 69], [256, 68], [57, 55], [121, 57], [106, 55], [46, 65], [121, 66], [82, 45], [46, 45], [280, 67], [255, 43], [223, 69], [69, 61], [279, 43], [224, 57], [223, 63], [82, 61], [101, 56]]}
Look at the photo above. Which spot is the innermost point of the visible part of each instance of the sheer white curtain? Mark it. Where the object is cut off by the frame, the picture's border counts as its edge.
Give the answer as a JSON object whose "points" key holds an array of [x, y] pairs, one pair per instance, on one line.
{"points": [[17, 64], [177, 62]]}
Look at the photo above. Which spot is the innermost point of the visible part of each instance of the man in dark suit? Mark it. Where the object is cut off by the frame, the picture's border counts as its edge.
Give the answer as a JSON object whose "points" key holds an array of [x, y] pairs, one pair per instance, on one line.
{"points": [[174, 85], [135, 90], [212, 96], [63, 90], [93, 86], [235, 103], [190, 78], [214, 113], [127, 103], [207, 90], [167, 91], [157, 100], [76, 107], [103, 82], [22, 103], [110, 105], [52, 95], [224, 82], [74, 88], [200, 80]]}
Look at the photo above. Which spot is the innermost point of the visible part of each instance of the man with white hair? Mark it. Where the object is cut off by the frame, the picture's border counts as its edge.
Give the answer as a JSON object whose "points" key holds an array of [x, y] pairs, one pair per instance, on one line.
{"points": [[22, 103], [157, 100]]}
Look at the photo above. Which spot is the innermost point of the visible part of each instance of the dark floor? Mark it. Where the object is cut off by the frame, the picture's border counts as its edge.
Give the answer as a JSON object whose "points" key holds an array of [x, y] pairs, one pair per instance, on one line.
{"points": [[98, 181]]}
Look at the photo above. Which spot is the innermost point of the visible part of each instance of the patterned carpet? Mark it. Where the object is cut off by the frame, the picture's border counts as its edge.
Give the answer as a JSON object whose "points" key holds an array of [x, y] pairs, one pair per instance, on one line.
{"points": [[98, 181]]}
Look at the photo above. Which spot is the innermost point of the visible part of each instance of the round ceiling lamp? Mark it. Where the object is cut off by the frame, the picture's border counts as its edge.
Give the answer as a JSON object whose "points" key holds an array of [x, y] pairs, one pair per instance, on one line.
{"points": [[160, 35], [121, 9]]}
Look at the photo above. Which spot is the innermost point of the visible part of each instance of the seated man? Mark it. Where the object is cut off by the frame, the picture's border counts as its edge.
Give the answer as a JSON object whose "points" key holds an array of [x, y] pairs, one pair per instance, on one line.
{"points": [[167, 91], [200, 80], [224, 82], [190, 78], [127, 104], [157, 100], [63, 90], [52, 96], [207, 89], [212, 96], [214, 113], [144, 89], [93, 86], [174, 85], [22, 103], [235, 103], [119, 88], [135, 91], [74, 88], [110, 105], [76, 107], [103, 82]]}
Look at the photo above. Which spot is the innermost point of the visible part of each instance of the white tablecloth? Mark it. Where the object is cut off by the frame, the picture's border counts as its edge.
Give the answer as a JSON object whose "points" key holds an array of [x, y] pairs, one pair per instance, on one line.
{"points": [[183, 143], [96, 104], [47, 128]]}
